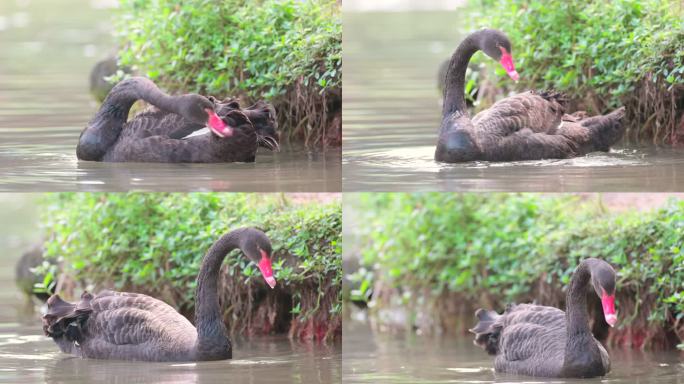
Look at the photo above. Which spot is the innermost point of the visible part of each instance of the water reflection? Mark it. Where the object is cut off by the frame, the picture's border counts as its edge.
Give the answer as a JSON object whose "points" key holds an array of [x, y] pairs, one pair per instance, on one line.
{"points": [[35, 358], [392, 114], [46, 56], [274, 360]]}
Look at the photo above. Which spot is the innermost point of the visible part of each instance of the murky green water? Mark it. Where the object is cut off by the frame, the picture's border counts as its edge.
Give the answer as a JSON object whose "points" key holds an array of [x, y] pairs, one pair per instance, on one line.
{"points": [[392, 115], [27, 356], [47, 49], [384, 358]]}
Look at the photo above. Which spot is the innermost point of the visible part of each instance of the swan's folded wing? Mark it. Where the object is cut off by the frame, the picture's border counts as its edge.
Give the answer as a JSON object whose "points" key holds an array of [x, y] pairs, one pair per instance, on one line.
{"points": [[523, 341], [540, 112], [122, 318], [125, 326], [535, 314], [528, 145]]}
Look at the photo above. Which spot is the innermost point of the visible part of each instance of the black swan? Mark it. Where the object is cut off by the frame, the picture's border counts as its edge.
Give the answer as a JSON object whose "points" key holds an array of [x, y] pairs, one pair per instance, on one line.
{"points": [[527, 126], [535, 340], [133, 326], [99, 86], [24, 274], [163, 133]]}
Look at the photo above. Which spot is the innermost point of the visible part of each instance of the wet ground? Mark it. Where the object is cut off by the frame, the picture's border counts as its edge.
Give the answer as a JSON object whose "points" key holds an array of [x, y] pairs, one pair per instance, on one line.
{"points": [[384, 358], [46, 53], [26, 356], [392, 115]]}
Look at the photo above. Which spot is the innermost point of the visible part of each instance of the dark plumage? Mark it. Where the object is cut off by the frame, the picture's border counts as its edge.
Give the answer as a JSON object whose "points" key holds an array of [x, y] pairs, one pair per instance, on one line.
{"points": [[133, 326], [158, 134], [535, 340], [527, 126]]}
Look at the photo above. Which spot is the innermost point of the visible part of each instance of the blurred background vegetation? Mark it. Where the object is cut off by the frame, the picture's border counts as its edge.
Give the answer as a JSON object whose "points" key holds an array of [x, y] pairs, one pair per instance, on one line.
{"points": [[288, 52], [153, 243], [603, 54], [428, 261]]}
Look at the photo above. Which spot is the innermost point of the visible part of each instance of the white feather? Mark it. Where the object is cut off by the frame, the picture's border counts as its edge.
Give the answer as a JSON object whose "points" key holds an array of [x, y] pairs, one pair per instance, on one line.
{"points": [[199, 132]]}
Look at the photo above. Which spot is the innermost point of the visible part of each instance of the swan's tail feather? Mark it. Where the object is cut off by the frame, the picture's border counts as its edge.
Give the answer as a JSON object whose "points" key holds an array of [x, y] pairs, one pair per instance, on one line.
{"points": [[263, 116], [66, 320], [607, 129], [487, 330], [552, 95]]}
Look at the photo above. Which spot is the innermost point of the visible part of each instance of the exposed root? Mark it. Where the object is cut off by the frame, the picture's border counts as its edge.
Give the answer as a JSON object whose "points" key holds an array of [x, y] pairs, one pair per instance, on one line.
{"points": [[655, 113], [310, 116]]}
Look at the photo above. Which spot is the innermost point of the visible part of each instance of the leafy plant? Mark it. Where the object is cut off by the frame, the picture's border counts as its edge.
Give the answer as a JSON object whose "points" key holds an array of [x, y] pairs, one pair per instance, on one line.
{"points": [[285, 51]]}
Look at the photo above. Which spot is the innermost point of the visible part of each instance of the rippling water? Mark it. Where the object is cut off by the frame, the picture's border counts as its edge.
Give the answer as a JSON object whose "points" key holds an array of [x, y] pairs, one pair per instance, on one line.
{"points": [[28, 357], [46, 53], [392, 115], [382, 358]]}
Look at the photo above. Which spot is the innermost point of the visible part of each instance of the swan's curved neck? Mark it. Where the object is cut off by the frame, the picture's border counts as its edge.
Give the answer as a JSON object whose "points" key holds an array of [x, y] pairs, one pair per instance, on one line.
{"points": [[582, 357], [454, 88], [576, 311], [127, 92], [211, 332]]}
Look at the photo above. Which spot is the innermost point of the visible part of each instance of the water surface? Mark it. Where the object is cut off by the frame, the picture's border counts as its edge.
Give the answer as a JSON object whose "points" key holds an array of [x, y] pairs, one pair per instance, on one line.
{"points": [[392, 115], [384, 358], [47, 49], [27, 356]]}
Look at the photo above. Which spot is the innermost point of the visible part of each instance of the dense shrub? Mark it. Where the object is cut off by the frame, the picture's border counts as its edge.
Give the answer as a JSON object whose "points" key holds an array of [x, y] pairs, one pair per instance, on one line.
{"points": [[153, 243], [286, 51], [603, 54], [496, 249]]}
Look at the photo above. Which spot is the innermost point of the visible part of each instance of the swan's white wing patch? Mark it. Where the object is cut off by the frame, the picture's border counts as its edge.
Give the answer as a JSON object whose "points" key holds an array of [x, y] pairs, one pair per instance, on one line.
{"points": [[199, 132]]}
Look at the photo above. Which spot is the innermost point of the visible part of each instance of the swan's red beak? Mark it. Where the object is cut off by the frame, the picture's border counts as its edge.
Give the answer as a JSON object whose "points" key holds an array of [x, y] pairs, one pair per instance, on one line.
{"points": [[608, 302], [266, 270], [217, 125], [507, 64]]}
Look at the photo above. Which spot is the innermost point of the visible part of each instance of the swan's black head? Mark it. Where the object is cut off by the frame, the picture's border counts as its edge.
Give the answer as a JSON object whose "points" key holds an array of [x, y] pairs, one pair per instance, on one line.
{"points": [[200, 110], [603, 282], [497, 46], [257, 247]]}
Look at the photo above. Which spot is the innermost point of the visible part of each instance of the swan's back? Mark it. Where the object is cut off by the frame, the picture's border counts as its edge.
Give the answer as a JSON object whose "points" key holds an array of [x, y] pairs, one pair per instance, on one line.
{"points": [[541, 112], [153, 121], [117, 325], [526, 339]]}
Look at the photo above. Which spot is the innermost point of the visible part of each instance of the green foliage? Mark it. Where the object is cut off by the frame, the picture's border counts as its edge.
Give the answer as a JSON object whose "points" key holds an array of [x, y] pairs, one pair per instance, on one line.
{"points": [[604, 53], [261, 49], [258, 47], [505, 245], [153, 243]]}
